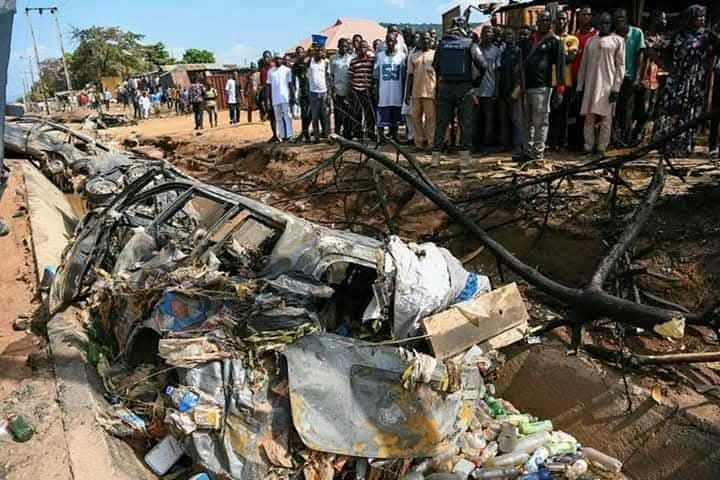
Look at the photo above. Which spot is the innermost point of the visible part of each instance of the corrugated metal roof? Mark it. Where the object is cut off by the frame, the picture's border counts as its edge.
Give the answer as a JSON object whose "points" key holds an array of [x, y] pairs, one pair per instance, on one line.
{"points": [[346, 28]]}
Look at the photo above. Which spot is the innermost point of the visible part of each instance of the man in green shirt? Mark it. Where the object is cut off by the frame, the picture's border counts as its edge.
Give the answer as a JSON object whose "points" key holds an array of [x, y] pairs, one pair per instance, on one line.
{"points": [[634, 53]]}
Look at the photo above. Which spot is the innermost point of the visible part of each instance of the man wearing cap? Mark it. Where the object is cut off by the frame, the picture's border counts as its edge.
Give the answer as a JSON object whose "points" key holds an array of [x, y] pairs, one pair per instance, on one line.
{"points": [[279, 87]]}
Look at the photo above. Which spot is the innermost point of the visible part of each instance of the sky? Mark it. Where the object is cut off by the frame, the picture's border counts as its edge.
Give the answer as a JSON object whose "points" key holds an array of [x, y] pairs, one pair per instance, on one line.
{"points": [[237, 31]]}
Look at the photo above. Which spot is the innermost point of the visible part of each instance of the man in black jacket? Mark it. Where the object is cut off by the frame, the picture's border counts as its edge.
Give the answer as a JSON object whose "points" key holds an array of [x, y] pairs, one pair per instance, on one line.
{"points": [[544, 68]]}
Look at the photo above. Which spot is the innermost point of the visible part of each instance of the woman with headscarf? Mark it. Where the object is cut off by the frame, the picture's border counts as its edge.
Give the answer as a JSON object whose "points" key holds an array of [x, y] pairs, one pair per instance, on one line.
{"points": [[684, 96]]}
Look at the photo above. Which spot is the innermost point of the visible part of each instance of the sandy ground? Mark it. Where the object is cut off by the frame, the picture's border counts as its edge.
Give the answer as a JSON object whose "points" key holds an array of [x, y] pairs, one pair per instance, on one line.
{"points": [[183, 126], [27, 391]]}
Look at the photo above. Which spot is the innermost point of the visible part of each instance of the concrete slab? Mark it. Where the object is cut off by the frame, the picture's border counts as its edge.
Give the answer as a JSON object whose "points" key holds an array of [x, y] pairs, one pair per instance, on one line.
{"points": [[52, 220], [91, 451]]}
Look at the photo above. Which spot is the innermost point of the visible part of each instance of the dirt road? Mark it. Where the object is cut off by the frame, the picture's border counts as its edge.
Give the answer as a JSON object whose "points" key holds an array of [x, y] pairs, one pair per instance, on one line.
{"points": [[29, 391]]}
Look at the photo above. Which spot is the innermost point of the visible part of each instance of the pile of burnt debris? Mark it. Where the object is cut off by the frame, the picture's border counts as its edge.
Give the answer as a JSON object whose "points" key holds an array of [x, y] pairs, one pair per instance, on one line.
{"points": [[239, 341]]}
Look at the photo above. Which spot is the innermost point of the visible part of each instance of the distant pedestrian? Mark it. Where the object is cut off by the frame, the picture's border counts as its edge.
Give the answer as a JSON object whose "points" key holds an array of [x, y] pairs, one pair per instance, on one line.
{"points": [[210, 98], [279, 86], [266, 107], [511, 105], [107, 97], [252, 92], [145, 105], [231, 94], [196, 98]]}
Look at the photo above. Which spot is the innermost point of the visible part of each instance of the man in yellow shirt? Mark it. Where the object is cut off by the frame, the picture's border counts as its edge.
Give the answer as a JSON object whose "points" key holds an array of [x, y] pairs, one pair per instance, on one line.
{"points": [[559, 117]]}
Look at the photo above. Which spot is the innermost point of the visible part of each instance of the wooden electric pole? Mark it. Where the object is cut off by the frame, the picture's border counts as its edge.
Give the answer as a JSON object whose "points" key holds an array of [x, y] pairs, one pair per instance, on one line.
{"points": [[37, 60]]}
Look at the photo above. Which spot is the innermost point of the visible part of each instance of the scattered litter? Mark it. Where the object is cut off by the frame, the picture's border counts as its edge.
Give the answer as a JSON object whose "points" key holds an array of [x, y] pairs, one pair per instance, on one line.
{"points": [[674, 328], [20, 428]]}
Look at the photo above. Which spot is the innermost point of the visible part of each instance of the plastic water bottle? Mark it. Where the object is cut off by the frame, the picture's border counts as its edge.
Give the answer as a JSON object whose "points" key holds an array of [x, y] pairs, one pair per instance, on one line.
{"points": [[495, 474], [606, 462], [183, 398], [509, 460], [508, 438], [488, 453], [539, 475], [532, 442], [495, 406]]}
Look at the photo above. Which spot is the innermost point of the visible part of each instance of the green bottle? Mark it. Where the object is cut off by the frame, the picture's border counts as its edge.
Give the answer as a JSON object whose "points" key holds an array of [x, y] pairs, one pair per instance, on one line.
{"points": [[21, 430], [535, 427], [495, 406]]}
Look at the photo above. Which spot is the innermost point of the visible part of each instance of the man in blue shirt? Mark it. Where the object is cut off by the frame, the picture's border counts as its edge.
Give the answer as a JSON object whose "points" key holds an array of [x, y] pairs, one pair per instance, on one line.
{"points": [[634, 53]]}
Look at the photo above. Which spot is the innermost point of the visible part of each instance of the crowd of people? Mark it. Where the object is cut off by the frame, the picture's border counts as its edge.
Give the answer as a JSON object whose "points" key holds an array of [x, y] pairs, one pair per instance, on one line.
{"points": [[530, 89], [527, 90]]}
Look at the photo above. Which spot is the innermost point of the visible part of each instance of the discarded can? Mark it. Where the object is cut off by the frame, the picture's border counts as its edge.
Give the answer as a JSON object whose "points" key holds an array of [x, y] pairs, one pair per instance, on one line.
{"points": [[20, 429], [535, 427]]}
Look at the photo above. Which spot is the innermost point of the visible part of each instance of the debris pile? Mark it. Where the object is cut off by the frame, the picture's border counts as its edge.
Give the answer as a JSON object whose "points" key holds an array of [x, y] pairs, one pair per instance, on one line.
{"points": [[238, 340]]}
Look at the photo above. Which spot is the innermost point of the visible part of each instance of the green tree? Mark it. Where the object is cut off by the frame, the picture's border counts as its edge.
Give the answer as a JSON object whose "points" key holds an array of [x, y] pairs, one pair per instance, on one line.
{"points": [[194, 55], [157, 55], [106, 51]]}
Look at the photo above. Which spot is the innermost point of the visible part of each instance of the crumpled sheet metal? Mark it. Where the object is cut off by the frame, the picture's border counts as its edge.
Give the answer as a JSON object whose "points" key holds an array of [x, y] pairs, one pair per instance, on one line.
{"points": [[251, 419], [346, 398]]}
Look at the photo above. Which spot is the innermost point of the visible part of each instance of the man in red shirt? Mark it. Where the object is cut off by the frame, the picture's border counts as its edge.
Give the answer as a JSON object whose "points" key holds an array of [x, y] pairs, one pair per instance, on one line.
{"points": [[584, 34]]}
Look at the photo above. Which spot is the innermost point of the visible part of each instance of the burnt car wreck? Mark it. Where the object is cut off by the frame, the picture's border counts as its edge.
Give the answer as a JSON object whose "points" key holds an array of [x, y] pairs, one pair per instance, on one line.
{"points": [[248, 343]]}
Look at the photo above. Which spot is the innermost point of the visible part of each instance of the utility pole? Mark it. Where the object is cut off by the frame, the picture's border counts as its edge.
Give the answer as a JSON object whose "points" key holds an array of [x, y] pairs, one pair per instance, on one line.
{"points": [[53, 11], [37, 59], [25, 93]]}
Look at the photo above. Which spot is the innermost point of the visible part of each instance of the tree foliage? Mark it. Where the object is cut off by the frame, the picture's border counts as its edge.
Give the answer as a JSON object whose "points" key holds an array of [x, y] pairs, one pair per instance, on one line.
{"points": [[157, 55], [106, 51], [195, 55], [53, 75]]}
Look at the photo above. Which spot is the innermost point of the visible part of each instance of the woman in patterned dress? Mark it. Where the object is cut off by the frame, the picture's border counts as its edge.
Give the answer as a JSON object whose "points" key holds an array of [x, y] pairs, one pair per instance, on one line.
{"points": [[684, 96]]}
